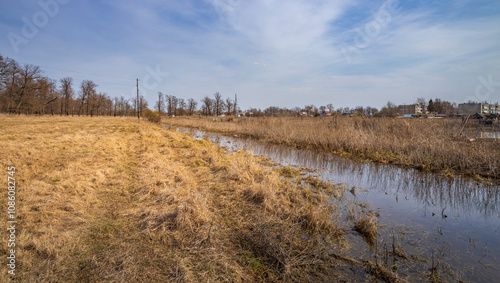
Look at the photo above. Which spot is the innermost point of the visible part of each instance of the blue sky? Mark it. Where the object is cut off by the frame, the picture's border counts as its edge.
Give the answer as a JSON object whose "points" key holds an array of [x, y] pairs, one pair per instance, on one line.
{"points": [[269, 52]]}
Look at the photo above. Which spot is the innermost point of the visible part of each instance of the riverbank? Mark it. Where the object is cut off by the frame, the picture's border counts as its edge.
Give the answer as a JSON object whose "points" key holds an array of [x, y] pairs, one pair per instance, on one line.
{"points": [[425, 144], [109, 199]]}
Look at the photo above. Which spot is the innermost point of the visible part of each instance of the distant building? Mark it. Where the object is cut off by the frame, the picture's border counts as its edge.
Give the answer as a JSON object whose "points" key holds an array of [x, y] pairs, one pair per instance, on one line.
{"points": [[481, 108], [412, 109]]}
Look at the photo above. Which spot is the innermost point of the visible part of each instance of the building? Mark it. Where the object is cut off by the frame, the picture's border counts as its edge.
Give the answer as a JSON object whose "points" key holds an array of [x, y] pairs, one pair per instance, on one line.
{"points": [[494, 109], [481, 108], [412, 109]]}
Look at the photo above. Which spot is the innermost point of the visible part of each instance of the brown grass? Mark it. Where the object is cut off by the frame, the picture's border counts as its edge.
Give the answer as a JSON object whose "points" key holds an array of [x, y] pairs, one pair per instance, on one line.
{"points": [[425, 144], [367, 228], [108, 199]]}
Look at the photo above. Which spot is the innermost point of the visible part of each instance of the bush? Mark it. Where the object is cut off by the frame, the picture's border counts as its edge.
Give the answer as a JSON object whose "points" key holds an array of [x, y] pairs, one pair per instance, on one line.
{"points": [[154, 117]]}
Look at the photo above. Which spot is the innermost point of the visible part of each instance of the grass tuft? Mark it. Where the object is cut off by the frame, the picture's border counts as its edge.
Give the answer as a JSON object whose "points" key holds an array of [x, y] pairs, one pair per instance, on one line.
{"points": [[366, 226]]}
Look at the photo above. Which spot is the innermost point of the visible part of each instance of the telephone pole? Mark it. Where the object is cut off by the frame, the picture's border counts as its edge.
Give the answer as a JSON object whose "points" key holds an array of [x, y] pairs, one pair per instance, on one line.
{"points": [[235, 104], [137, 102]]}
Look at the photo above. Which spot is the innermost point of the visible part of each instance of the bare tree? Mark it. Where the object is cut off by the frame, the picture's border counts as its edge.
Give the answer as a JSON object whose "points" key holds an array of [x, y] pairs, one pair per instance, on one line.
{"points": [[87, 91], [160, 104], [23, 89], [369, 111], [171, 104], [192, 106], [389, 110], [207, 106], [44, 96], [175, 103], [13, 75], [115, 106], [66, 93], [126, 106], [218, 103], [421, 101], [143, 104], [229, 106], [182, 106], [100, 103], [28, 77], [311, 110], [10, 74]]}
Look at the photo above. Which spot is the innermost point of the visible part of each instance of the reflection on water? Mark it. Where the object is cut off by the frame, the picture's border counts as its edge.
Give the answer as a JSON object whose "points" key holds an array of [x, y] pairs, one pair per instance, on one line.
{"points": [[457, 213]]}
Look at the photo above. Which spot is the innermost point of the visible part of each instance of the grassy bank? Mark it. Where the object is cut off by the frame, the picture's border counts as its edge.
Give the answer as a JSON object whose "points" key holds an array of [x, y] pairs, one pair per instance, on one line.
{"points": [[108, 199], [425, 144]]}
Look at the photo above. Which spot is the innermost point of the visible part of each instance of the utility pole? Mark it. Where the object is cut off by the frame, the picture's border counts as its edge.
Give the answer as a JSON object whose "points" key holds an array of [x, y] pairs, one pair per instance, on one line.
{"points": [[137, 102], [235, 104]]}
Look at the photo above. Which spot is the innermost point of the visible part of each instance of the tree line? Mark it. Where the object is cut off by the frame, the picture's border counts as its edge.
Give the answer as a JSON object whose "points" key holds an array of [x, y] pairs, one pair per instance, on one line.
{"points": [[25, 90]]}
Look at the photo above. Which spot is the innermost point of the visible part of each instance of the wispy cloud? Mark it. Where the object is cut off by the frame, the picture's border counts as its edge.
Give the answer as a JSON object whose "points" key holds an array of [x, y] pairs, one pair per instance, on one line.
{"points": [[274, 52]]}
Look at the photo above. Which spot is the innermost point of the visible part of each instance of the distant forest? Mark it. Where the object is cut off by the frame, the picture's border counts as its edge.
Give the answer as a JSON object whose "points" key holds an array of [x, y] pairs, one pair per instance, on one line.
{"points": [[25, 90]]}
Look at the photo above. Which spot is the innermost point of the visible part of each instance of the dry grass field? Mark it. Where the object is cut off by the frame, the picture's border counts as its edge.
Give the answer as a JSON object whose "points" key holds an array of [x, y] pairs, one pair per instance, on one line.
{"points": [[425, 144], [109, 199]]}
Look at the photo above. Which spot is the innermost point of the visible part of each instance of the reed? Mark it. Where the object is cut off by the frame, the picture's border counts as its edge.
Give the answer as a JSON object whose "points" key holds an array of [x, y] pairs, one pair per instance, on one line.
{"points": [[425, 144]]}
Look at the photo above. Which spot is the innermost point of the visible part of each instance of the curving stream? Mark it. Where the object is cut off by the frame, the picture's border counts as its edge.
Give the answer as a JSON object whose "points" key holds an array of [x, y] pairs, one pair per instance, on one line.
{"points": [[451, 224]]}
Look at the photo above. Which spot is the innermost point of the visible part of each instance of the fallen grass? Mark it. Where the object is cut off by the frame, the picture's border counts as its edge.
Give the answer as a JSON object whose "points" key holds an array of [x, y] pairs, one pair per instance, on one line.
{"points": [[425, 144], [108, 199], [367, 228]]}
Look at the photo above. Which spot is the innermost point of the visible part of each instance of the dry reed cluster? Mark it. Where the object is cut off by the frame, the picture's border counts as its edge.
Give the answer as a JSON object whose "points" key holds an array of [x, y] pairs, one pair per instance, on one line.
{"points": [[425, 144]]}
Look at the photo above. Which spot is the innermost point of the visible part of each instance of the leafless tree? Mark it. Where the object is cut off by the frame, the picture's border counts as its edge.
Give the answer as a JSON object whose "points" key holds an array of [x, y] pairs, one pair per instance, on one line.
{"points": [[192, 106], [389, 110], [28, 77], [87, 90], [421, 101], [100, 103], [218, 103], [171, 105], [66, 93], [182, 106], [126, 106], [229, 106], [143, 104], [44, 96], [207, 106], [160, 104]]}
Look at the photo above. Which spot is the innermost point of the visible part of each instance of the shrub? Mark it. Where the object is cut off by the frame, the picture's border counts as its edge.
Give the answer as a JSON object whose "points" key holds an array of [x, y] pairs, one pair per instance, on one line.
{"points": [[154, 117]]}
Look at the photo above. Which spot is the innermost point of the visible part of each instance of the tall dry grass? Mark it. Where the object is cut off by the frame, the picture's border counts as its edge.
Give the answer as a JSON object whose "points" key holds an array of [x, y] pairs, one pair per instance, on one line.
{"points": [[108, 199], [426, 144]]}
